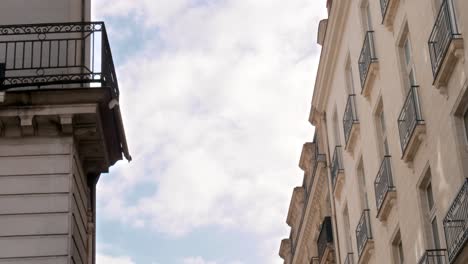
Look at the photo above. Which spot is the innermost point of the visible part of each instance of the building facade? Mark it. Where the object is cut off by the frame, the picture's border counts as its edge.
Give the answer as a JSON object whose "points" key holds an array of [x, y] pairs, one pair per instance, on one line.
{"points": [[390, 110], [60, 129]]}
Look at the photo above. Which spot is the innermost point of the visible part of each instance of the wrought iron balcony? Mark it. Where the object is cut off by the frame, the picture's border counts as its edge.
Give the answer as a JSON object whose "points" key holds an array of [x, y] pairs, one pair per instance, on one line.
{"points": [[318, 157], [350, 118], [349, 258], [337, 164], [384, 185], [366, 59], [325, 239], [444, 33], [384, 7], [434, 256], [56, 56], [410, 124], [456, 224], [363, 232]]}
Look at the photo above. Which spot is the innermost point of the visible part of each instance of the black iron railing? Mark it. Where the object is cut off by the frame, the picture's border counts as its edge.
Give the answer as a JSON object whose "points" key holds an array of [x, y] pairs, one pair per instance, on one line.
{"points": [[325, 238], [383, 182], [410, 117], [337, 164], [434, 256], [384, 7], [60, 55], [349, 258], [444, 31], [367, 56], [350, 116], [363, 231], [456, 223]]}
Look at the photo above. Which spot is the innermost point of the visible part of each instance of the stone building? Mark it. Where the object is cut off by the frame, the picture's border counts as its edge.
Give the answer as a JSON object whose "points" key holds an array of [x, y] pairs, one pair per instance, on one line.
{"points": [[391, 121], [60, 128]]}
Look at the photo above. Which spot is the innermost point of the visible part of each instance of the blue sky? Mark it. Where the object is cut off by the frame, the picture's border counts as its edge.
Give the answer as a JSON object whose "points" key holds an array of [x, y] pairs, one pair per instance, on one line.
{"points": [[215, 97]]}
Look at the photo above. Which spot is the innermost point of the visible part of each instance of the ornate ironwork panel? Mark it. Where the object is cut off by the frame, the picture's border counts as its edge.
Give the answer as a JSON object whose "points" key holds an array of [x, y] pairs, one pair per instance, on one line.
{"points": [[337, 164], [367, 56], [456, 223], [410, 117], [434, 256], [383, 182], [384, 7], [56, 56], [444, 31], [363, 231]]}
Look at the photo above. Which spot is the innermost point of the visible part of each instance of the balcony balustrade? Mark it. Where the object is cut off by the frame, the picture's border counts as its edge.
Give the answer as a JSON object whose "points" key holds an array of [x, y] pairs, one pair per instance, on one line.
{"points": [[367, 63], [337, 165], [444, 41], [364, 234], [388, 9], [434, 256], [325, 240], [456, 224], [411, 125], [384, 188], [350, 121], [56, 56]]}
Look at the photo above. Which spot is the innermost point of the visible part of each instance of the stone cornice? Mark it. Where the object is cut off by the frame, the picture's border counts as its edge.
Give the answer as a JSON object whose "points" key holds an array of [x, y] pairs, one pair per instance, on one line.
{"points": [[285, 248], [333, 36], [297, 202], [306, 156]]}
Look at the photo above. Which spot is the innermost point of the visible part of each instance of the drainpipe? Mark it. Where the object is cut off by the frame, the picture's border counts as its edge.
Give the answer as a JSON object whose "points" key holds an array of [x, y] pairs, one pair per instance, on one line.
{"points": [[330, 187]]}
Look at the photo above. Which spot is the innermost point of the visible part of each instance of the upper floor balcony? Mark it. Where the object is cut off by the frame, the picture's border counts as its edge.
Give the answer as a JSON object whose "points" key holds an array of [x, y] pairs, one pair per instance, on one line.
{"points": [[350, 122], [385, 191], [56, 56], [411, 125], [388, 9], [337, 170], [456, 225], [364, 240], [445, 44], [368, 63], [325, 241], [434, 256]]}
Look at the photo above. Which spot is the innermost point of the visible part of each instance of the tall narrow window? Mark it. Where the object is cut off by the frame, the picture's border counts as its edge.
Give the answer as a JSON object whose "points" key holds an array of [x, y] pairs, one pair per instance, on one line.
{"points": [[336, 129], [408, 63], [349, 77], [430, 212], [362, 186], [348, 237], [382, 131], [397, 248], [366, 16], [465, 120]]}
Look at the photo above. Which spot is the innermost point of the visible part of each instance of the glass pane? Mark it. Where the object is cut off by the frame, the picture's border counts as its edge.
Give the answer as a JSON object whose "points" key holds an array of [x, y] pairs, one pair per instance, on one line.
{"points": [[369, 20], [466, 123], [407, 49], [387, 152], [382, 122], [412, 79], [349, 73], [435, 233], [430, 196], [400, 253]]}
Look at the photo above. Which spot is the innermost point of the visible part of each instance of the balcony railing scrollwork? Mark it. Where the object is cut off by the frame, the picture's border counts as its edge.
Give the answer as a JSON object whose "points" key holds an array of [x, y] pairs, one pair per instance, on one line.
{"points": [[434, 256], [410, 117], [383, 182], [59, 55], [367, 57], [384, 7], [363, 231], [456, 224], [445, 30], [350, 117], [337, 164]]}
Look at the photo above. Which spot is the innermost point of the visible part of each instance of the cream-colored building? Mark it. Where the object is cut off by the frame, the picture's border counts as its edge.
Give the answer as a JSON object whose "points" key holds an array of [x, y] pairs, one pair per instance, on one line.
{"points": [[60, 128], [390, 113]]}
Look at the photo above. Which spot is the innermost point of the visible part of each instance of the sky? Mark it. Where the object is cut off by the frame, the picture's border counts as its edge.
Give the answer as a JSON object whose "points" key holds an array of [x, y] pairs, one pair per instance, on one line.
{"points": [[215, 97]]}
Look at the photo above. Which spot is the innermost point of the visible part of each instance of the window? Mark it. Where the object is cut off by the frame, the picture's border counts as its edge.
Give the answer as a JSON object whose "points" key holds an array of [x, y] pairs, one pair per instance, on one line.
{"points": [[347, 226], [362, 186], [349, 77], [336, 129], [382, 131], [397, 248], [366, 16], [408, 63], [430, 212], [465, 122]]}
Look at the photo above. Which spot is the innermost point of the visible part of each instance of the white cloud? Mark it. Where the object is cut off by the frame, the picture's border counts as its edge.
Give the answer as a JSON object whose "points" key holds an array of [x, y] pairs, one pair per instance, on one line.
{"points": [[200, 260], [216, 119], [105, 259]]}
